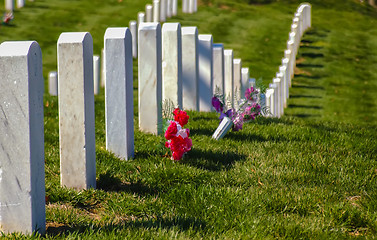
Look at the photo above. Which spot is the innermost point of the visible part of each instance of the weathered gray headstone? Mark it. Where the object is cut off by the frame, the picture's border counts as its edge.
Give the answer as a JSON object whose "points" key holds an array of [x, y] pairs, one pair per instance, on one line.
{"points": [[96, 74], [172, 63], [9, 5], [163, 6], [156, 11], [150, 78], [244, 80], [148, 13], [140, 19], [237, 65], [205, 43], [228, 75], [119, 93], [133, 29], [53, 83], [218, 68], [190, 68], [76, 110], [22, 173]]}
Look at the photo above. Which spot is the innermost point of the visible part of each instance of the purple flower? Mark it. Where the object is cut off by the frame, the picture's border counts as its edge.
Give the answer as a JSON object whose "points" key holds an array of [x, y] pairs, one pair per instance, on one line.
{"points": [[217, 104]]}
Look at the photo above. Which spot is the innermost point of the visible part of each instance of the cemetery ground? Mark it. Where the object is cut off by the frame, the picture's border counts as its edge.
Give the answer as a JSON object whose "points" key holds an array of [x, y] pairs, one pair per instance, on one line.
{"points": [[311, 174]]}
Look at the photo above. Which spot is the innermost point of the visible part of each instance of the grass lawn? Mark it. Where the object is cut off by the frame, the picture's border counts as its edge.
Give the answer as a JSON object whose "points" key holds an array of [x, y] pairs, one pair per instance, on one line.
{"points": [[311, 174]]}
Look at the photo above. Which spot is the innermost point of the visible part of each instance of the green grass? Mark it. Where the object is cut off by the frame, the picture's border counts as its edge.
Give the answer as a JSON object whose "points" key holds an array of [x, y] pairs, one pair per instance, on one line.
{"points": [[310, 175]]}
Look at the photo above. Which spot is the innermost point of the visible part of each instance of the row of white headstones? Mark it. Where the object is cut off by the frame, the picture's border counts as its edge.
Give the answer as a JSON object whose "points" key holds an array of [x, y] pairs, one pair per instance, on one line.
{"points": [[166, 70], [277, 94], [9, 4]]}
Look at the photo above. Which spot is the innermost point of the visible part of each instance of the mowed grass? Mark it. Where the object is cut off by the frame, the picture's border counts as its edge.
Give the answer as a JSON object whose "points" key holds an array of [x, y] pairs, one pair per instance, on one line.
{"points": [[310, 175]]}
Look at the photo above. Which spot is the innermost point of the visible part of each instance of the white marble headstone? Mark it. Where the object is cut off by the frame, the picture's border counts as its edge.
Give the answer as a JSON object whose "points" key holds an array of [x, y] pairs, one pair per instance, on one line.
{"points": [[119, 93], [53, 83], [163, 7], [190, 68], [205, 43], [237, 85], [244, 80], [140, 18], [20, 3], [149, 13], [218, 68], [275, 99], [22, 173], [174, 8], [9, 5], [168, 8], [185, 6], [156, 11], [133, 29], [150, 78], [228, 75], [76, 110], [96, 74], [172, 63]]}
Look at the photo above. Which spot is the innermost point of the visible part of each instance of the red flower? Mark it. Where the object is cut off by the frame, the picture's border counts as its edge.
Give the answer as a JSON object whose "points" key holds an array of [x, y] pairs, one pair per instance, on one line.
{"points": [[177, 155], [171, 131], [181, 117], [178, 141], [176, 144]]}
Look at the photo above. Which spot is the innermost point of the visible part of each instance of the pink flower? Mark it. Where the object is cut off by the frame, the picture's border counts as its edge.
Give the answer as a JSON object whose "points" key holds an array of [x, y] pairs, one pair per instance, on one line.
{"points": [[237, 123]]}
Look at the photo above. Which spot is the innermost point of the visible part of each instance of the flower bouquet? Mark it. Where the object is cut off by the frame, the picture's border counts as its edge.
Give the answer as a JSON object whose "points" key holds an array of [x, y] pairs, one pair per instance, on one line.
{"points": [[8, 16], [234, 118], [178, 137]]}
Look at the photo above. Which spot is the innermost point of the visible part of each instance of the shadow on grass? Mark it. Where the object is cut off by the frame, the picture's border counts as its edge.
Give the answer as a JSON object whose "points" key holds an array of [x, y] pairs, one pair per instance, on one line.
{"points": [[313, 55], [307, 76], [201, 131], [182, 223], [272, 120], [303, 96], [308, 87], [303, 106], [109, 183], [240, 136], [213, 161], [309, 65], [304, 115], [197, 118], [311, 47]]}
